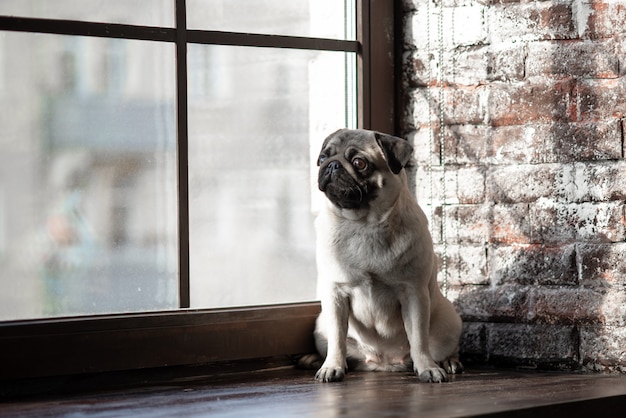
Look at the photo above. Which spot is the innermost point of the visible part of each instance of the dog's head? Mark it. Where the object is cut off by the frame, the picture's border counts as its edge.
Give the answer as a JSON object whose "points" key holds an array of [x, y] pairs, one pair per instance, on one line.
{"points": [[360, 168]]}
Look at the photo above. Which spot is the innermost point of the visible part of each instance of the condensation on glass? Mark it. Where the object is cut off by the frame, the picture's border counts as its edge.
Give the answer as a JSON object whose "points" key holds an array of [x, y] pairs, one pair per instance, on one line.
{"points": [[257, 118], [135, 12], [333, 19], [88, 214]]}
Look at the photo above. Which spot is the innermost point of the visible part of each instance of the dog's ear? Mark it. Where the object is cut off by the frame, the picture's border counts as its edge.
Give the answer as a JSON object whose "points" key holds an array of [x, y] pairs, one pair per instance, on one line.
{"points": [[397, 150]]}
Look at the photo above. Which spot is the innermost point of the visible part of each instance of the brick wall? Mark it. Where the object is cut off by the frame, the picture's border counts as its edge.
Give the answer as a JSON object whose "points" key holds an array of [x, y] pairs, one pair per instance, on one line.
{"points": [[534, 103]]}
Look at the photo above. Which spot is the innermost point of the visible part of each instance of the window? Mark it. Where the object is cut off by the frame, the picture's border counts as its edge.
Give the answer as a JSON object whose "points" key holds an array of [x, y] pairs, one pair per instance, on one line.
{"points": [[158, 166], [89, 160]]}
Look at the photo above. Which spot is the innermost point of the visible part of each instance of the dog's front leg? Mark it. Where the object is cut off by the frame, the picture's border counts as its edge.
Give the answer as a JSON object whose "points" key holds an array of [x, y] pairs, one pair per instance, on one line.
{"points": [[416, 316], [335, 312]]}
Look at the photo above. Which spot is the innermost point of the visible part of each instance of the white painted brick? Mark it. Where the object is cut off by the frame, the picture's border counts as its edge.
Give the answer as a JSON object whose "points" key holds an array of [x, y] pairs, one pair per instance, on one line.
{"points": [[463, 185], [466, 265], [462, 26]]}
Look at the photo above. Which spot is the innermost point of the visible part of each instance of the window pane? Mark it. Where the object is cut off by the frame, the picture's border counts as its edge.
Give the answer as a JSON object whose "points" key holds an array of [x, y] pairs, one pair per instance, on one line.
{"points": [[332, 19], [135, 12], [257, 119], [88, 218]]}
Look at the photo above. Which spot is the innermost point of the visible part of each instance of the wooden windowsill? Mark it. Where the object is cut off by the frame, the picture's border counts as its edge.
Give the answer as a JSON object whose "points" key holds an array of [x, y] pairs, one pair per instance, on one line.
{"points": [[282, 390]]}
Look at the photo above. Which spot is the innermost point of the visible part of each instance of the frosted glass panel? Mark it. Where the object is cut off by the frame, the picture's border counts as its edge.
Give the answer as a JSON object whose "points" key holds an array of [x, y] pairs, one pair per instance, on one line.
{"points": [[332, 19], [88, 212], [135, 12], [257, 119]]}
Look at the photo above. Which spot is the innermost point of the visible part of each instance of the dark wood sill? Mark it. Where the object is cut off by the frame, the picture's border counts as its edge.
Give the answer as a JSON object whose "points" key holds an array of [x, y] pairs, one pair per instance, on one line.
{"points": [[241, 389]]}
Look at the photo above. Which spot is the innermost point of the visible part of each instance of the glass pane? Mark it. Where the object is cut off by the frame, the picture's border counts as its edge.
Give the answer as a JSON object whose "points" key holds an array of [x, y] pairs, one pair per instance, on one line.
{"points": [[132, 12], [333, 19], [257, 119], [88, 215]]}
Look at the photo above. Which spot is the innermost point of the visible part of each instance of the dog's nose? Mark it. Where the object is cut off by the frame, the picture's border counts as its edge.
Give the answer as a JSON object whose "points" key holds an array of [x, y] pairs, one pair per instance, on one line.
{"points": [[333, 166]]}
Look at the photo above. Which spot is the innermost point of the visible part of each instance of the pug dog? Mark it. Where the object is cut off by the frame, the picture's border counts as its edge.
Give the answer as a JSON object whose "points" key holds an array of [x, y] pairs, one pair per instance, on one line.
{"points": [[382, 308]]}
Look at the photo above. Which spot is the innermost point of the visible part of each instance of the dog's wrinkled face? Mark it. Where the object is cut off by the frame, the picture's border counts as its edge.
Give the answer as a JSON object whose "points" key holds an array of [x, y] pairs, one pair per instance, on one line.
{"points": [[356, 164]]}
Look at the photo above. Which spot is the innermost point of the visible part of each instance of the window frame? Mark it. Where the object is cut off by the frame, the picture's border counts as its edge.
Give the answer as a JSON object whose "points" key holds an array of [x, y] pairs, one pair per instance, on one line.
{"points": [[103, 343]]}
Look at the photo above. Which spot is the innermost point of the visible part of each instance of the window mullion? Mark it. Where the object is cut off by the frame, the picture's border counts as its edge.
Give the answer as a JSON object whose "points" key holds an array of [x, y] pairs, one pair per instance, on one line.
{"points": [[92, 29], [182, 154], [208, 37]]}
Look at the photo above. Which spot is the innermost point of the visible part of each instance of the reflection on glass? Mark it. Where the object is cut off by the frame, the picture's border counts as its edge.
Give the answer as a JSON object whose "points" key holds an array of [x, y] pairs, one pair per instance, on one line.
{"points": [[257, 119], [153, 12], [333, 19], [87, 176]]}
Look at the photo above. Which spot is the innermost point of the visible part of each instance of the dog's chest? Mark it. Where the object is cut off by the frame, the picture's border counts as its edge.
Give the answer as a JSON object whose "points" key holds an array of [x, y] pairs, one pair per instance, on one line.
{"points": [[375, 308], [366, 250]]}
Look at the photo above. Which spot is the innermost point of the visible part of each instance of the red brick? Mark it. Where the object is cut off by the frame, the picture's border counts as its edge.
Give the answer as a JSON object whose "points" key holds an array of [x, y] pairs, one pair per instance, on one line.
{"points": [[466, 264], [537, 100], [537, 345], [416, 69], [464, 185], [517, 144], [567, 142], [602, 265], [421, 105], [465, 105], [566, 306], [510, 224], [493, 304], [602, 348], [461, 106], [555, 223], [463, 144], [533, 264], [531, 143], [591, 59], [465, 224], [463, 25], [469, 184], [535, 118], [506, 63], [469, 142], [613, 308], [466, 66], [555, 143], [600, 100], [469, 66], [426, 144], [474, 343], [521, 183], [468, 224], [606, 18], [531, 22], [592, 182]]}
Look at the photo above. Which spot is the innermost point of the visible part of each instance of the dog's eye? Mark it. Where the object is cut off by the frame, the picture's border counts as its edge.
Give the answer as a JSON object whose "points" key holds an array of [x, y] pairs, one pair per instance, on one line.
{"points": [[359, 163], [321, 159]]}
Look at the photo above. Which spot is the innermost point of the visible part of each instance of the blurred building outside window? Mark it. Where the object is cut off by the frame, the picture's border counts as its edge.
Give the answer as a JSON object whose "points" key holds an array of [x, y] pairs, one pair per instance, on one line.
{"points": [[88, 165]]}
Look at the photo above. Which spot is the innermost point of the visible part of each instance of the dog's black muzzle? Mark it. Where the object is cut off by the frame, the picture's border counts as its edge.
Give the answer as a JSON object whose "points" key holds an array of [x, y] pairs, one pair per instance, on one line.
{"points": [[340, 188], [328, 174]]}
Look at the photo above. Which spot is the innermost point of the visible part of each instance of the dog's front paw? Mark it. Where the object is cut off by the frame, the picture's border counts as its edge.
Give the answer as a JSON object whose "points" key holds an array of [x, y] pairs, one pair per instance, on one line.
{"points": [[330, 374], [433, 375], [452, 365]]}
